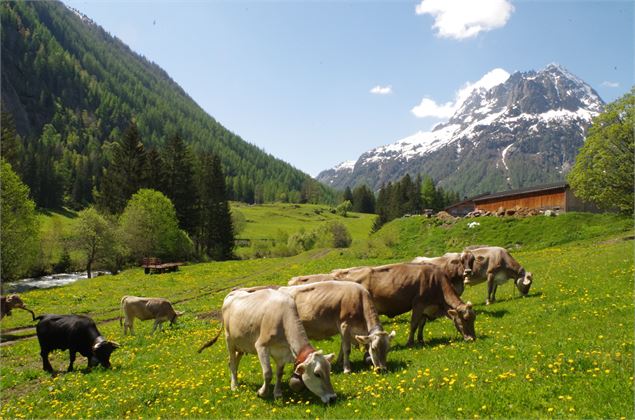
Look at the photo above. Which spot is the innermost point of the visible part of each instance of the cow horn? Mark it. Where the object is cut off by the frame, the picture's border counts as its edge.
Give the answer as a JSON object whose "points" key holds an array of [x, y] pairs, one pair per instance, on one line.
{"points": [[468, 305]]}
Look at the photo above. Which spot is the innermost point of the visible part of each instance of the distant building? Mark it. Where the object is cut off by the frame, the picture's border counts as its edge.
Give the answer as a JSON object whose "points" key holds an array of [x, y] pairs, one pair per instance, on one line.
{"points": [[556, 196]]}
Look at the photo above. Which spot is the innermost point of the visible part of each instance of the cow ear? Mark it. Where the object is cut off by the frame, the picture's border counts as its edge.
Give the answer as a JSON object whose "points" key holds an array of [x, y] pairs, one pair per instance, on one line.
{"points": [[362, 339], [299, 369], [452, 312], [114, 345], [179, 313], [468, 305], [330, 357], [392, 335]]}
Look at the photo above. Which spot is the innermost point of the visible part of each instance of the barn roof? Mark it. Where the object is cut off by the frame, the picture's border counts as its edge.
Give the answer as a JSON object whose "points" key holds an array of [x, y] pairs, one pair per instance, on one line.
{"points": [[522, 191]]}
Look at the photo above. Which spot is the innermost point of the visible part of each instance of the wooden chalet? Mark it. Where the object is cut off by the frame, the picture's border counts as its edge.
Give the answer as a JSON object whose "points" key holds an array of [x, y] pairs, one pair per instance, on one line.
{"points": [[555, 196]]}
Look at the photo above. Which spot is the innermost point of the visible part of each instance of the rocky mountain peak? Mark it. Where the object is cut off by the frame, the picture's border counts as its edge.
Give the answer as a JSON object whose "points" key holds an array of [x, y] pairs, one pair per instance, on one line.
{"points": [[533, 116]]}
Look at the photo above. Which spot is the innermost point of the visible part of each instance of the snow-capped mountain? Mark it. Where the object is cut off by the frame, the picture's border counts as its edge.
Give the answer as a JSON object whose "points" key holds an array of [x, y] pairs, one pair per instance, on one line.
{"points": [[507, 131]]}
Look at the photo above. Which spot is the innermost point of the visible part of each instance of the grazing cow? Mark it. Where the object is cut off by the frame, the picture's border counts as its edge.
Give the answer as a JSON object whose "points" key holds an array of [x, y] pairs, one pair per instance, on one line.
{"points": [[346, 308], [423, 288], [457, 265], [7, 303], [78, 334], [496, 266], [159, 309], [266, 322]]}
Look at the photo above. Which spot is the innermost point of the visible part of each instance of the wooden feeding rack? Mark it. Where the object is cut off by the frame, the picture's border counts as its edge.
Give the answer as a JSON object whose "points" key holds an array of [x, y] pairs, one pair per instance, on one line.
{"points": [[154, 265]]}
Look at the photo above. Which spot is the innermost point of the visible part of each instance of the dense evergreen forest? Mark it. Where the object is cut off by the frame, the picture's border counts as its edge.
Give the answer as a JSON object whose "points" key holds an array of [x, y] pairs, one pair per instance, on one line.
{"points": [[408, 196], [69, 92]]}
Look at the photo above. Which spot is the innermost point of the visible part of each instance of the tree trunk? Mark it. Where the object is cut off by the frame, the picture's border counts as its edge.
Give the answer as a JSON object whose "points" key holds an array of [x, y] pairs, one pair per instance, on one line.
{"points": [[89, 266]]}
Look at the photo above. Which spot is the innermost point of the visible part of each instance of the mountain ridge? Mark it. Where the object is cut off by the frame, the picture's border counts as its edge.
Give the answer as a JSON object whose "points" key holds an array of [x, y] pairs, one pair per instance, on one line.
{"points": [[511, 132]]}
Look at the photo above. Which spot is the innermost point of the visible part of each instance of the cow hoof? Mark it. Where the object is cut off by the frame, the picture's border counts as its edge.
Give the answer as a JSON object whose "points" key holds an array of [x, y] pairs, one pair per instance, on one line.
{"points": [[347, 370], [262, 392]]}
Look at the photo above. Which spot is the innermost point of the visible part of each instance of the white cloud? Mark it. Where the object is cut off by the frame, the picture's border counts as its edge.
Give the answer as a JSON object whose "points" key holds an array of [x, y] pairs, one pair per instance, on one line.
{"points": [[608, 84], [429, 108], [381, 90], [461, 19]]}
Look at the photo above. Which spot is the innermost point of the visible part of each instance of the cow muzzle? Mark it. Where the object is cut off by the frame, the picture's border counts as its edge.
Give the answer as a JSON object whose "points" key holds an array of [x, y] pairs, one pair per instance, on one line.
{"points": [[329, 399]]}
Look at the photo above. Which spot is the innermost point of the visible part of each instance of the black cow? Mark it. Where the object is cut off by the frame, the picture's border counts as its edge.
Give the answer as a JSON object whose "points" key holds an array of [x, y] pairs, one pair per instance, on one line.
{"points": [[78, 334]]}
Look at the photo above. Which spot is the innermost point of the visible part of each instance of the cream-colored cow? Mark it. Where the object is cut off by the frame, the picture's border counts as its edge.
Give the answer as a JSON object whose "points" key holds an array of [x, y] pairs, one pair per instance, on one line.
{"points": [[266, 322], [159, 309]]}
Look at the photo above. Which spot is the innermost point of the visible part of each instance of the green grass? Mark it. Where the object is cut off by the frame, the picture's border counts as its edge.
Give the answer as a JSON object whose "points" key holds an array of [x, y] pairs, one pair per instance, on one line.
{"points": [[421, 236], [265, 220], [566, 350]]}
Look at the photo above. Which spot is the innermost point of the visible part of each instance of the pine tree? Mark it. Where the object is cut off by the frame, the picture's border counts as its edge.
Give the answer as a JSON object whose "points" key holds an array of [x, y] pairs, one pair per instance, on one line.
{"points": [[215, 234], [126, 172], [155, 173], [363, 200], [348, 195], [179, 183]]}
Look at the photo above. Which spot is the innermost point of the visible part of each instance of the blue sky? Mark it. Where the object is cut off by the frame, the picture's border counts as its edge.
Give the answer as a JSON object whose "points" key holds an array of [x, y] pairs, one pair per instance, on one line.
{"points": [[296, 78]]}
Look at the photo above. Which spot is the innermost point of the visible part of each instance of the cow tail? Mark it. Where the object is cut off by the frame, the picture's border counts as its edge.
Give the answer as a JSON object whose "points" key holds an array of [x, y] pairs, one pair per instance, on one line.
{"points": [[213, 340]]}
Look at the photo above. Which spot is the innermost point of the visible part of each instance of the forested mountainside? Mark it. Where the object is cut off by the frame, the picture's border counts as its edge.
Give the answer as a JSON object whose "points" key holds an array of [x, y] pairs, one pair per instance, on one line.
{"points": [[524, 129], [70, 89]]}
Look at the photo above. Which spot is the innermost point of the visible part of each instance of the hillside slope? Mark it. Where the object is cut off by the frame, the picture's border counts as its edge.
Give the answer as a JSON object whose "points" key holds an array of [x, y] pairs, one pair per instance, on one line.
{"points": [[59, 67]]}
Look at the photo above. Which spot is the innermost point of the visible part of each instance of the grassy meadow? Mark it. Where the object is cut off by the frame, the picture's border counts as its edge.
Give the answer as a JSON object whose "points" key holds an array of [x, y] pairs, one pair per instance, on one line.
{"points": [[566, 350]]}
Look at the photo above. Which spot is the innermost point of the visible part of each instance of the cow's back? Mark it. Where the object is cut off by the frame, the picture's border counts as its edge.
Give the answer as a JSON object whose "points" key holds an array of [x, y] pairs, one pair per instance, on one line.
{"points": [[257, 316], [64, 331], [394, 288], [323, 306]]}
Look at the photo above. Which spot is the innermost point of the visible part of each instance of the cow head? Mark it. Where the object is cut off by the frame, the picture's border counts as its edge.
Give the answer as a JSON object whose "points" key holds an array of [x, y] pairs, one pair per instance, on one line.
{"points": [[14, 301], [467, 260], [464, 317], [315, 372], [378, 343], [523, 283], [102, 351], [176, 315]]}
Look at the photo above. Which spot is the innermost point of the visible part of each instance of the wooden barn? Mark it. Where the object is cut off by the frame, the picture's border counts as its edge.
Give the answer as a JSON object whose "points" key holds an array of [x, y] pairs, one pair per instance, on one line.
{"points": [[556, 196]]}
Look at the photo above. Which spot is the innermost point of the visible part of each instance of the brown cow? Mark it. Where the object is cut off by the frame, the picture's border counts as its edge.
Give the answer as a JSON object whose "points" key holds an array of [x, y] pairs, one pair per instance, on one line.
{"points": [[266, 322], [159, 309], [457, 265], [423, 288], [7, 303], [346, 308], [496, 266]]}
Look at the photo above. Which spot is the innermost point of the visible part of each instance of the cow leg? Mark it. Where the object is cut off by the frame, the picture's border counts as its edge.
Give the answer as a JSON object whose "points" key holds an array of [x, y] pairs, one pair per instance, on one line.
{"points": [[127, 324], [494, 292], [345, 347], [490, 289], [417, 315], [420, 330], [234, 360], [156, 324], [72, 354], [277, 389], [265, 363], [46, 365]]}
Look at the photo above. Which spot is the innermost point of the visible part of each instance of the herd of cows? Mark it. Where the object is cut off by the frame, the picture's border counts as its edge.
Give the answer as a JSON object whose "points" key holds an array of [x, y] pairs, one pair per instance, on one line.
{"points": [[278, 322]]}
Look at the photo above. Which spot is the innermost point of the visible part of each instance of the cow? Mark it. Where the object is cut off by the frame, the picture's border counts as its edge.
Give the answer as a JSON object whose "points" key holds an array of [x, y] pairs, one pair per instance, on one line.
{"points": [[346, 308], [266, 322], [159, 309], [496, 266], [7, 303], [78, 334], [423, 288], [457, 265]]}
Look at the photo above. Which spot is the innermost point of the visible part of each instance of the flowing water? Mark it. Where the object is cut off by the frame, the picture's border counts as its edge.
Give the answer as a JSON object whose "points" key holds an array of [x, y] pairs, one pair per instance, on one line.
{"points": [[46, 282]]}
